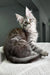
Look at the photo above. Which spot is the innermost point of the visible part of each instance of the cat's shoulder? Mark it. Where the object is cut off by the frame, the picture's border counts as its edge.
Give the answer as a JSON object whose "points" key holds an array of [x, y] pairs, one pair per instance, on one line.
{"points": [[17, 32]]}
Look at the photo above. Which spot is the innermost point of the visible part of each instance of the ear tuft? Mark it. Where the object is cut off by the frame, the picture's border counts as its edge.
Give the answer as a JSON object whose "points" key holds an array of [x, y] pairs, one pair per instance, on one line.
{"points": [[28, 12], [27, 8]]}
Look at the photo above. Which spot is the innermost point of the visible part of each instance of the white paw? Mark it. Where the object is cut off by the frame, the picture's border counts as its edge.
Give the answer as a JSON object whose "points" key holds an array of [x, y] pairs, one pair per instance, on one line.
{"points": [[44, 53]]}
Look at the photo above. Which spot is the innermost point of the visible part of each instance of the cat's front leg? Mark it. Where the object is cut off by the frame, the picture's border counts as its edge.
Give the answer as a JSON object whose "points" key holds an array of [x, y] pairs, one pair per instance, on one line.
{"points": [[44, 53], [38, 50]]}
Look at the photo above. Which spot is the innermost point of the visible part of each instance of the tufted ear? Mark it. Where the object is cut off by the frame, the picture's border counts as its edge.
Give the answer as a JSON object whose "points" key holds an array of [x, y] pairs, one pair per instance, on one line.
{"points": [[19, 18], [28, 13]]}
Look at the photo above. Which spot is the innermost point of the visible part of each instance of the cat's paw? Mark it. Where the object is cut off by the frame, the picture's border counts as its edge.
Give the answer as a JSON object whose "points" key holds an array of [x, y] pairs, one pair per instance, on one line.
{"points": [[44, 53]]}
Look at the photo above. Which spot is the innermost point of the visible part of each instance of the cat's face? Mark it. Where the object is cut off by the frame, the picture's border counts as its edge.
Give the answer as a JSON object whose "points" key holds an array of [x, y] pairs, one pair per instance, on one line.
{"points": [[27, 21]]}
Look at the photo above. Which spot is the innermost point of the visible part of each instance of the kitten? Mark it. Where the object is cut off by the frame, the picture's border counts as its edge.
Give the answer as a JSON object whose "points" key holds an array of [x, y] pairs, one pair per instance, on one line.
{"points": [[20, 44]]}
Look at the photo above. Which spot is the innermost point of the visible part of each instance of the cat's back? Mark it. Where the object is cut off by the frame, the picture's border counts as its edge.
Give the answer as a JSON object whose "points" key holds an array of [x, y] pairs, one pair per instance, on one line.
{"points": [[17, 32], [16, 44]]}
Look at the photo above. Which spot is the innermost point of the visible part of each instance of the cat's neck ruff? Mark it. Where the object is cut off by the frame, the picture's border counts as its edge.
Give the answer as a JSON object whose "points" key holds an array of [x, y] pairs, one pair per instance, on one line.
{"points": [[32, 28], [33, 34]]}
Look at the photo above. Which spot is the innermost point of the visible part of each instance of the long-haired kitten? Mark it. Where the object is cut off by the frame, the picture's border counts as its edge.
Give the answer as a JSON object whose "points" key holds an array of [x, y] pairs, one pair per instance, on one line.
{"points": [[20, 44]]}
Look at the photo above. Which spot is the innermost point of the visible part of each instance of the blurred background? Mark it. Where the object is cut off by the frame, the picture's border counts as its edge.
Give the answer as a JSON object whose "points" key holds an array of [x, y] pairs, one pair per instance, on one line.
{"points": [[40, 9]]}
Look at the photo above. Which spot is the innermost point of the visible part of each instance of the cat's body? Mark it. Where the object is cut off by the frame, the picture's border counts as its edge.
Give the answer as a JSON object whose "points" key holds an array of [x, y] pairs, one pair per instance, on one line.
{"points": [[16, 43], [20, 44], [17, 48]]}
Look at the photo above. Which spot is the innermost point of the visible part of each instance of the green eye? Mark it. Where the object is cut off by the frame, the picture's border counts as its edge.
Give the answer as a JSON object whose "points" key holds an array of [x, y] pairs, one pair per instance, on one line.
{"points": [[25, 22], [31, 20]]}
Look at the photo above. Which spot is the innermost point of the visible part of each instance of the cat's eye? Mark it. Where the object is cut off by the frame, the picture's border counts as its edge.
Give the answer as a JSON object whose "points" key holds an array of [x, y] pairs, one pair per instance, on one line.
{"points": [[31, 20], [25, 22]]}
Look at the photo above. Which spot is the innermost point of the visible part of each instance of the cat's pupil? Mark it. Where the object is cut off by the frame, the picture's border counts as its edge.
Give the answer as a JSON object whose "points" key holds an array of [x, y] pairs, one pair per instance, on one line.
{"points": [[25, 22]]}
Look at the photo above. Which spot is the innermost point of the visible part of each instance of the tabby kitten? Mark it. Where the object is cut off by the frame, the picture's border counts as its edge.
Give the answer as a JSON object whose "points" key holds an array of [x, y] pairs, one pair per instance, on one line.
{"points": [[20, 44]]}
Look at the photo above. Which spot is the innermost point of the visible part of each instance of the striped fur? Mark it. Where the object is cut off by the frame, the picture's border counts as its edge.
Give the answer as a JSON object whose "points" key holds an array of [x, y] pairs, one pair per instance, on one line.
{"points": [[33, 34], [20, 46]]}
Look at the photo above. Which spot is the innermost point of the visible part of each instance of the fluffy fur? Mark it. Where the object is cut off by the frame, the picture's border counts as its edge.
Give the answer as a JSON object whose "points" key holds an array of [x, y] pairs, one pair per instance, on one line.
{"points": [[20, 44]]}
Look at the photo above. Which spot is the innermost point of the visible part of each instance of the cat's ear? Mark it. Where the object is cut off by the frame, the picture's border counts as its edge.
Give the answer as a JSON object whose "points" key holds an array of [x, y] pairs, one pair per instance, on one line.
{"points": [[28, 13], [19, 18]]}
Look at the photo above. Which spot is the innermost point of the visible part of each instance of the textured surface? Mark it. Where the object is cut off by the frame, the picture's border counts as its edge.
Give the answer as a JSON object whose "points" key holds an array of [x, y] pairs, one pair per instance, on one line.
{"points": [[39, 67]]}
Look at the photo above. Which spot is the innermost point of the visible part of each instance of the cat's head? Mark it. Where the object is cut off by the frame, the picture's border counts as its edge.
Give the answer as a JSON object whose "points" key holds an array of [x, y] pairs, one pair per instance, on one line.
{"points": [[28, 21]]}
